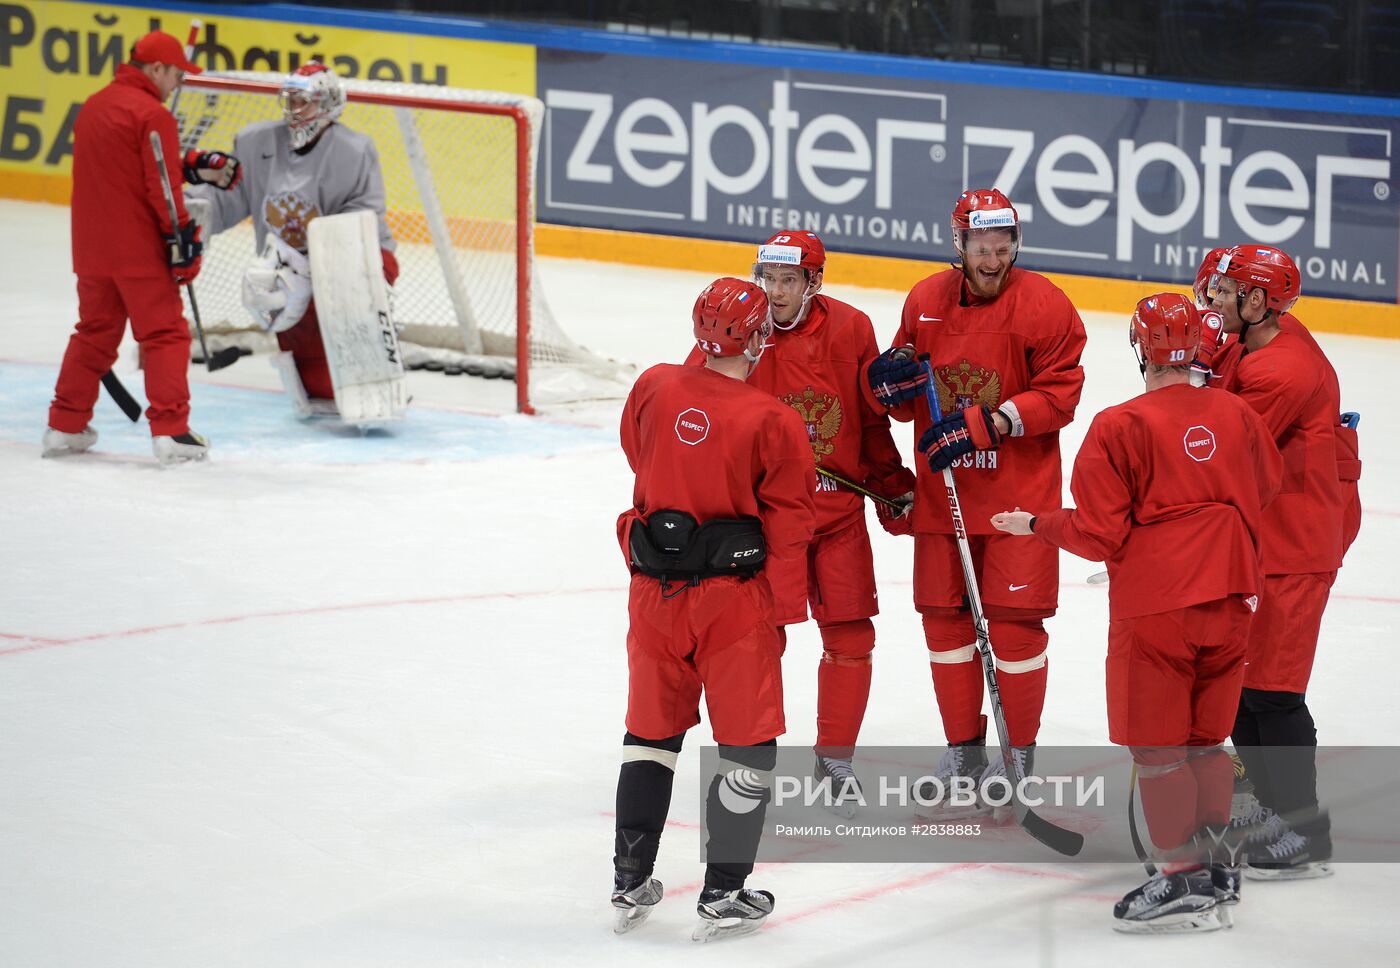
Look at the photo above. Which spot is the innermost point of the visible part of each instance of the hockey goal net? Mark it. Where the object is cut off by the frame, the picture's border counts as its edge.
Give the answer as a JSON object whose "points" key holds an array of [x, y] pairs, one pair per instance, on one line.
{"points": [[459, 182]]}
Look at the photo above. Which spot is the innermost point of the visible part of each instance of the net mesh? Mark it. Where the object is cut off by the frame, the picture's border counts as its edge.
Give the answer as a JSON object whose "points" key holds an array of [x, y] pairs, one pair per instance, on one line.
{"points": [[450, 175]]}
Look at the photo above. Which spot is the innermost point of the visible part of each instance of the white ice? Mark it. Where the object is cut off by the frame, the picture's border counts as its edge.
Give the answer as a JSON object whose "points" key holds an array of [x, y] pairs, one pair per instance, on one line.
{"points": [[332, 700]]}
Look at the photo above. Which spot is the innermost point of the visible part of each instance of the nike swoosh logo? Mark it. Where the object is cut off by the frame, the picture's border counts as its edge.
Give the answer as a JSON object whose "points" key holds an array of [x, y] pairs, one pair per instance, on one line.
{"points": [[930, 319], [1017, 588]]}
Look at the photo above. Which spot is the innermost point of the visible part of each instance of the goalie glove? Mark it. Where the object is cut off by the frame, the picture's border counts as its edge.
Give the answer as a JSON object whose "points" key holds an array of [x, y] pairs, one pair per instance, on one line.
{"points": [[215, 168], [277, 287]]}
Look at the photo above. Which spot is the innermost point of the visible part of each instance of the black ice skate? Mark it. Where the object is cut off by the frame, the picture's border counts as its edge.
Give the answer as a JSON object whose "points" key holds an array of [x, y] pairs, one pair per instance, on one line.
{"points": [[846, 794], [1179, 903], [730, 914], [1289, 856], [632, 900], [958, 772]]}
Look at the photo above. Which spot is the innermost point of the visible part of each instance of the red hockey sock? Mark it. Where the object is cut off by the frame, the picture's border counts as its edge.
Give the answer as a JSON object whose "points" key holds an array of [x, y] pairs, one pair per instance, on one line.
{"points": [[1168, 788], [1019, 647], [957, 672], [1215, 784], [843, 684]]}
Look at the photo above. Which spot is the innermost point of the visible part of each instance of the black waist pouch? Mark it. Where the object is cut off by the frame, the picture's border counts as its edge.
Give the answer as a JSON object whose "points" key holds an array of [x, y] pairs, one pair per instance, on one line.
{"points": [[673, 545]]}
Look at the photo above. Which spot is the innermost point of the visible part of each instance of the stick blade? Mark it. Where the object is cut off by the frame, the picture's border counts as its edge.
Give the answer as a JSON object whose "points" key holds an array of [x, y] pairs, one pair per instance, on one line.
{"points": [[1058, 839]]}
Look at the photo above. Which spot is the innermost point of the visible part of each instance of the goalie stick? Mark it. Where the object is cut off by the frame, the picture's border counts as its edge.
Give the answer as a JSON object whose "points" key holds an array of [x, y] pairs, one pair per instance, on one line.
{"points": [[1057, 838], [229, 354], [900, 506]]}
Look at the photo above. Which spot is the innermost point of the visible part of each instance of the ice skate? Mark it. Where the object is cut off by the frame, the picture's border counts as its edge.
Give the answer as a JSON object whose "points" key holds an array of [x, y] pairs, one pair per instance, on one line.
{"points": [[1226, 880], [959, 772], [633, 900], [181, 449], [996, 767], [846, 793], [730, 914], [1181, 903], [1290, 856], [57, 443]]}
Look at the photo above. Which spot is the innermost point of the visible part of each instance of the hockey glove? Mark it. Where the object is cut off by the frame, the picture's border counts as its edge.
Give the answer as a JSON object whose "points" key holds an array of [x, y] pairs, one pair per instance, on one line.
{"points": [[212, 168], [897, 522], [958, 434], [184, 250], [895, 376]]}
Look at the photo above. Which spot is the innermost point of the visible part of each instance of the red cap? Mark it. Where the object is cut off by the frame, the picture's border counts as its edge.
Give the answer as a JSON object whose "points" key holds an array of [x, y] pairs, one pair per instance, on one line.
{"points": [[158, 47]]}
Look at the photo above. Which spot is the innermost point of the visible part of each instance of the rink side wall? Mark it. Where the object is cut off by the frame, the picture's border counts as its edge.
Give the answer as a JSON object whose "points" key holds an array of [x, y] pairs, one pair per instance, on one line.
{"points": [[685, 153]]}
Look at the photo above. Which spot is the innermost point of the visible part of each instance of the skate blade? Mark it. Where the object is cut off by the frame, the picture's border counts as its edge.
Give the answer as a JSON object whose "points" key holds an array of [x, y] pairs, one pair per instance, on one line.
{"points": [[844, 810], [725, 928], [1299, 872], [630, 918], [1187, 922]]}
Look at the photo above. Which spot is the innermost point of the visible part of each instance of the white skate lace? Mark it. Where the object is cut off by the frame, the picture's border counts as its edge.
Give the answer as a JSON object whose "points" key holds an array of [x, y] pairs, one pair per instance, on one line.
{"points": [[839, 770], [1290, 843], [1157, 888], [997, 767]]}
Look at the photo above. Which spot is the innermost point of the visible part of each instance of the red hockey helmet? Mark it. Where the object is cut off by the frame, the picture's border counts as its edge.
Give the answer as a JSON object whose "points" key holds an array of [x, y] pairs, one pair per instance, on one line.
{"points": [[1165, 330], [802, 250], [1205, 278], [984, 208], [726, 314], [1268, 268]]}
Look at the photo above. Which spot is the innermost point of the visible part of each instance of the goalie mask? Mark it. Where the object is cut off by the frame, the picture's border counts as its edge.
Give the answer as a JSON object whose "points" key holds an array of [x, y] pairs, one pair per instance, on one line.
{"points": [[789, 268], [312, 97]]}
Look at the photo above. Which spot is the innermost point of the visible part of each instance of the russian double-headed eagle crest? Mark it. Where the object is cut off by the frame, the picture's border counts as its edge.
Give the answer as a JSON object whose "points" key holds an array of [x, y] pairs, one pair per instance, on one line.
{"points": [[963, 385], [821, 412], [288, 215]]}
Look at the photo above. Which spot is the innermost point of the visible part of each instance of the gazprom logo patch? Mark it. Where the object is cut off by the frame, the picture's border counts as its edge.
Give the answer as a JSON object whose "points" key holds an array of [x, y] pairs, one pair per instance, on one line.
{"points": [[994, 219], [785, 254]]}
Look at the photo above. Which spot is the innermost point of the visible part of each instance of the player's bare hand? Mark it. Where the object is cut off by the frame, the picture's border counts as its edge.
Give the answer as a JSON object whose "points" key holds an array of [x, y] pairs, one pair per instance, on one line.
{"points": [[1013, 522]]}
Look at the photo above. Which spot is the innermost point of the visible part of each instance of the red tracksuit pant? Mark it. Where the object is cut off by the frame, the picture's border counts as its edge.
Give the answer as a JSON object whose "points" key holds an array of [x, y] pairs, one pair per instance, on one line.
{"points": [[158, 323]]}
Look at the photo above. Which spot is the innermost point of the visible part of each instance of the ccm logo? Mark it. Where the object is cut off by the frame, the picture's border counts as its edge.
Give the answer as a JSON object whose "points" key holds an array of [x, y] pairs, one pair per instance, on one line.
{"points": [[1199, 443], [745, 554]]}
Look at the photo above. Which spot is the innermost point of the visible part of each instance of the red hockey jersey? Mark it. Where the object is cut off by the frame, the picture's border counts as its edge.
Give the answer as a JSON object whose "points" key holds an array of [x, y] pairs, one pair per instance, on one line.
{"points": [[1170, 489], [119, 211], [1300, 403], [710, 445], [1019, 352], [818, 369]]}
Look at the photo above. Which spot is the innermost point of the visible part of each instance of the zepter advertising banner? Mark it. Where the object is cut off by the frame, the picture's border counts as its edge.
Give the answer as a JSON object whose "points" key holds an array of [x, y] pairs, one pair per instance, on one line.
{"points": [[1105, 185], [53, 55]]}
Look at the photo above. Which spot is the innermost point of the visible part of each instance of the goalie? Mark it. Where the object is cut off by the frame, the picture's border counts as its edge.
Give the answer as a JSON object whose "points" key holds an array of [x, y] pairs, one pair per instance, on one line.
{"points": [[316, 195]]}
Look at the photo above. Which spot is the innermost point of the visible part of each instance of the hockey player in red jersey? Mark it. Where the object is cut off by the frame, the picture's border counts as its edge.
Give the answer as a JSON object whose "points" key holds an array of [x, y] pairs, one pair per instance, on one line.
{"points": [[814, 362], [1169, 491], [1004, 344], [130, 261], [724, 479], [1279, 370]]}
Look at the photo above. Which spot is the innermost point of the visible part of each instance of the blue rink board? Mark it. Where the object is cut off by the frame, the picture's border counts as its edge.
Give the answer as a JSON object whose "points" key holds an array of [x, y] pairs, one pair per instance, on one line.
{"points": [[257, 425]]}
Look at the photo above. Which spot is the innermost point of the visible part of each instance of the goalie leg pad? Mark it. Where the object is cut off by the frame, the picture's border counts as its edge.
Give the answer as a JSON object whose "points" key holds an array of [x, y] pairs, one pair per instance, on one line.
{"points": [[357, 328]]}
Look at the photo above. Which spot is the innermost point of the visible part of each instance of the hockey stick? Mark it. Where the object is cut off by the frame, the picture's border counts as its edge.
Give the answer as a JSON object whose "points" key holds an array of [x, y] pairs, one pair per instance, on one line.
{"points": [[229, 354], [120, 397], [1057, 838], [899, 506], [1133, 834]]}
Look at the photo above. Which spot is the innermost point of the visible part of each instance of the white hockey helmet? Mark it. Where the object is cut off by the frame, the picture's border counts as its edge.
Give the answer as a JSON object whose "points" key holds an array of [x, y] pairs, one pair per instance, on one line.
{"points": [[312, 97]]}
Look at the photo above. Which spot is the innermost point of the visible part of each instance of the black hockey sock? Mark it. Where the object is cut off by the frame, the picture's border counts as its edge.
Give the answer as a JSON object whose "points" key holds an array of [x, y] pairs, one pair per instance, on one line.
{"points": [[734, 813], [1245, 737], [1288, 746], [643, 801]]}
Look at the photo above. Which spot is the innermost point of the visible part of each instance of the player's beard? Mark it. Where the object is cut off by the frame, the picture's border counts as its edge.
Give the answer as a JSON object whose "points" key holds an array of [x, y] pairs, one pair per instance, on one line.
{"points": [[983, 286]]}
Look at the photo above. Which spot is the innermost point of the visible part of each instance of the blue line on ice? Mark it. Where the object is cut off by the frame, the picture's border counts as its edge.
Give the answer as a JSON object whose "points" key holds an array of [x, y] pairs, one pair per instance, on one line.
{"points": [[255, 425]]}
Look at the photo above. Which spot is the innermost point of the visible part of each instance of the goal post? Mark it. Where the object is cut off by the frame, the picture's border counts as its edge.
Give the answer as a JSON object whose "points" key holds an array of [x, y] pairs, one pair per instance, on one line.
{"points": [[459, 176]]}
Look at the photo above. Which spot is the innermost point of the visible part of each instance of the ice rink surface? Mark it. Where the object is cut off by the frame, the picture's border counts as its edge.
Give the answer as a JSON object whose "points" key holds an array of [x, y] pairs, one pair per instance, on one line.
{"points": [[343, 700]]}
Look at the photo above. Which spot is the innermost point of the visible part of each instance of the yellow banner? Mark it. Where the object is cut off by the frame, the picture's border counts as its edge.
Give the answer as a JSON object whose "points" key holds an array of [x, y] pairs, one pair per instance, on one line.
{"points": [[53, 55]]}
